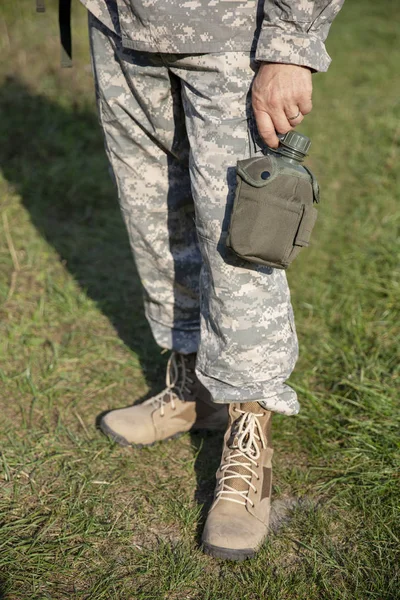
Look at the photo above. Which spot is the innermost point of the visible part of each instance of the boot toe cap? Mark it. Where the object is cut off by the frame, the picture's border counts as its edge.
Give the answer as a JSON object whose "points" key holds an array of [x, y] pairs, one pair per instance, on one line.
{"points": [[124, 428], [242, 533]]}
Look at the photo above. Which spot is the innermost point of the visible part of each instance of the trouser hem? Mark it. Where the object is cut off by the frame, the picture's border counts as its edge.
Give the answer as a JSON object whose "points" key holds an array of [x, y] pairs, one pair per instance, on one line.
{"points": [[275, 396]]}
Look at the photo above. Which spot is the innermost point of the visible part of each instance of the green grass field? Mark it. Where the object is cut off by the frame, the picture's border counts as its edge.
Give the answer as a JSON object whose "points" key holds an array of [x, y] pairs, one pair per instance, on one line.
{"points": [[83, 518]]}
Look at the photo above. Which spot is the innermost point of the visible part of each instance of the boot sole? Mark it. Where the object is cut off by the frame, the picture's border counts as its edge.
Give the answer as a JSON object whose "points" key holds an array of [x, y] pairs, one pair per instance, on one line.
{"points": [[228, 553], [119, 439]]}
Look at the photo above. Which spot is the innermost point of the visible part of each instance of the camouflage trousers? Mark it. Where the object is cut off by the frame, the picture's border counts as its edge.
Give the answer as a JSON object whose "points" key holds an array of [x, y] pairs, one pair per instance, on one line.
{"points": [[174, 127]]}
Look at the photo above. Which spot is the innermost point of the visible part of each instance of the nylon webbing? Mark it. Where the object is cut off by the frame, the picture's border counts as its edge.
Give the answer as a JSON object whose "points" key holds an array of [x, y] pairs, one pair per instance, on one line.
{"points": [[64, 20], [315, 185]]}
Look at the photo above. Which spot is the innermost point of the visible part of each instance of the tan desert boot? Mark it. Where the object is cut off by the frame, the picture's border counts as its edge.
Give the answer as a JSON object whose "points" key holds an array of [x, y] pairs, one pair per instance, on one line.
{"points": [[184, 405], [237, 523]]}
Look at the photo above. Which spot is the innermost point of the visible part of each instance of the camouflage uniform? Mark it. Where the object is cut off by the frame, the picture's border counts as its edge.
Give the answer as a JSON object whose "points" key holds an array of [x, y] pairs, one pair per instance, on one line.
{"points": [[175, 122], [282, 31]]}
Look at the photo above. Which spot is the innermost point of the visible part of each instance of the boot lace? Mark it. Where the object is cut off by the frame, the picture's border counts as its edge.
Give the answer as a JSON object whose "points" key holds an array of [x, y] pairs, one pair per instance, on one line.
{"points": [[177, 382], [245, 451]]}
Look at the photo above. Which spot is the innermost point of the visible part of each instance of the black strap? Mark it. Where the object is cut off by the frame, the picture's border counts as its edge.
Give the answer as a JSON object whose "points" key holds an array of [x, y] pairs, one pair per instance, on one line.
{"points": [[64, 20], [40, 7], [315, 185]]}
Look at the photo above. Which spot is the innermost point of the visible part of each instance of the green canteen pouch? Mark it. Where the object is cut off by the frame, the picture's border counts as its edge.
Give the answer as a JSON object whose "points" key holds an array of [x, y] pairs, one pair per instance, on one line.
{"points": [[273, 212]]}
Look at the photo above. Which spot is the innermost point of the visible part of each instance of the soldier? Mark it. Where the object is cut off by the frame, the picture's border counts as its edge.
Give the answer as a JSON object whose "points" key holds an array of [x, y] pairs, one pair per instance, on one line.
{"points": [[184, 89]]}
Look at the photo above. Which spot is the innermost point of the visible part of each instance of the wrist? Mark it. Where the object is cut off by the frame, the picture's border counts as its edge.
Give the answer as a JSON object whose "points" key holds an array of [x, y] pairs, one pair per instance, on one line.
{"points": [[285, 64]]}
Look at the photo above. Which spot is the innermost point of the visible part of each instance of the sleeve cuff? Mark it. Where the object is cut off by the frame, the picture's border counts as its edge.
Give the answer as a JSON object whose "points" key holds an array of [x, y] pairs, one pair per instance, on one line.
{"points": [[305, 50]]}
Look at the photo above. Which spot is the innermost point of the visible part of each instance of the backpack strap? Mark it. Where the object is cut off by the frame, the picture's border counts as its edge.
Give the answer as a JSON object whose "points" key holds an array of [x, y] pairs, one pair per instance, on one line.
{"points": [[64, 20]]}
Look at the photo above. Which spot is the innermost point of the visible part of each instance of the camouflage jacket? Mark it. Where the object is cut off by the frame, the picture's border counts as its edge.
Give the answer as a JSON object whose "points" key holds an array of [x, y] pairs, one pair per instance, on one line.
{"points": [[283, 31]]}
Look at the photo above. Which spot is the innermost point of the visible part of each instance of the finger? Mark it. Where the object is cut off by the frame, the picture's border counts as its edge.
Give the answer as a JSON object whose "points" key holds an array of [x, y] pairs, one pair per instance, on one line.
{"points": [[280, 121], [294, 111], [305, 106], [296, 121], [266, 128]]}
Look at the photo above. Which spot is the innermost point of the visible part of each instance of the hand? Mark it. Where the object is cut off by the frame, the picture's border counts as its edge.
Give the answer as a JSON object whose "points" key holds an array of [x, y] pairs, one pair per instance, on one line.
{"points": [[280, 91]]}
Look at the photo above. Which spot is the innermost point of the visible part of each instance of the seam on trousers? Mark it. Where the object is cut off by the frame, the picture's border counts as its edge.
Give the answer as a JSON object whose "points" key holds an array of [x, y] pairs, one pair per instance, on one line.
{"points": [[102, 120]]}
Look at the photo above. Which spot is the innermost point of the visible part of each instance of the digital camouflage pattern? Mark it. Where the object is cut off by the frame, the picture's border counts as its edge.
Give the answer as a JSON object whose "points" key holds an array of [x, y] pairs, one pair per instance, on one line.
{"points": [[176, 204], [282, 31]]}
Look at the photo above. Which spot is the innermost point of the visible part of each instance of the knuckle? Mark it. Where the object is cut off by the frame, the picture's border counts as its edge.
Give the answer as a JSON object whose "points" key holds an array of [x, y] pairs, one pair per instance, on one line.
{"points": [[274, 103], [256, 100]]}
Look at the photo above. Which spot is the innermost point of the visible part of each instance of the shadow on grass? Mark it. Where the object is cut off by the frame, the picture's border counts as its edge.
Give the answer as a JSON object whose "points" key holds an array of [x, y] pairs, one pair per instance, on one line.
{"points": [[207, 448], [54, 158]]}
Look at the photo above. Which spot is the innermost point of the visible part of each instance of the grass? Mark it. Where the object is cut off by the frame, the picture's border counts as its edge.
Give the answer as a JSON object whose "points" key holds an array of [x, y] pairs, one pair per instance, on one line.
{"points": [[82, 518]]}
